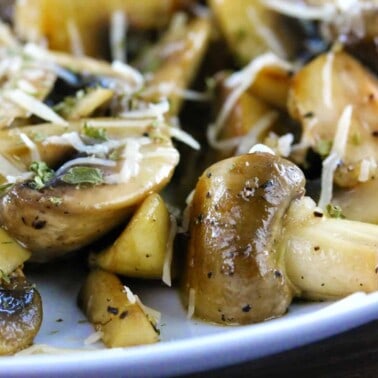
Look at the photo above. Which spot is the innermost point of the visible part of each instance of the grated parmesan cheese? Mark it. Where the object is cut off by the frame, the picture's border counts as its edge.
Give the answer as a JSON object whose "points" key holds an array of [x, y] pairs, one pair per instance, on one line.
{"points": [[336, 155], [118, 33], [151, 313], [191, 303], [94, 338], [7, 169], [327, 79], [129, 72], [239, 82], [85, 161], [34, 153], [73, 139], [263, 124], [34, 106], [166, 277], [261, 148], [267, 34], [129, 294], [74, 36]]}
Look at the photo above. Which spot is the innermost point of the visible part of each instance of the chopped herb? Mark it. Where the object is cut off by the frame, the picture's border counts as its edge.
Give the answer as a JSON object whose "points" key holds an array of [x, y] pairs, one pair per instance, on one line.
{"points": [[43, 174], [324, 147], [98, 133], [334, 211], [65, 107], [7, 242], [4, 277], [56, 200], [83, 175]]}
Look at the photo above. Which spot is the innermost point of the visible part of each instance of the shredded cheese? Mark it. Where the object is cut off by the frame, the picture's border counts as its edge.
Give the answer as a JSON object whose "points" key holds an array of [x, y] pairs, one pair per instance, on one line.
{"points": [[364, 173], [191, 303], [94, 338], [34, 153], [129, 72], [73, 139], [327, 79], [152, 111], [261, 148], [74, 36], [151, 313], [85, 161], [129, 294], [46, 349], [118, 33], [166, 277], [300, 10], [267, 34], [336, 155], [34, 106], [239, 82], [8, 170], [263, 124]]}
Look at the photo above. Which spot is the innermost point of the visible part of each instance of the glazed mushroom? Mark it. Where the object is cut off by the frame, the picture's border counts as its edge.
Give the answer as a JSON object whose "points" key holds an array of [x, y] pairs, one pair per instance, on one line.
{"points": [[255, 242], [20, 313], [56, 212], [335, 99]]}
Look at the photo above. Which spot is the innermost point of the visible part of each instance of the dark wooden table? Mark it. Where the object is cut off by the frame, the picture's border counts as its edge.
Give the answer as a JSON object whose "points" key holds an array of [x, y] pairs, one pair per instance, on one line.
{"points": [[353, 354]]}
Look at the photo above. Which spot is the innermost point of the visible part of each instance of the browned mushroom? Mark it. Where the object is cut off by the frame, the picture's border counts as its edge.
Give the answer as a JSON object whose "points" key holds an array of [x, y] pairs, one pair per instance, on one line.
{"points": [[20, 313], [255, 242]]}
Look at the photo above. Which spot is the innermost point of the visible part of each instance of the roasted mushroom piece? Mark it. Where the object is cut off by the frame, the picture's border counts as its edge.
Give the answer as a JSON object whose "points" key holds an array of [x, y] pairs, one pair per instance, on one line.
{"points": [[20, 313], [255, 242], [335, 99], [56, 212]]}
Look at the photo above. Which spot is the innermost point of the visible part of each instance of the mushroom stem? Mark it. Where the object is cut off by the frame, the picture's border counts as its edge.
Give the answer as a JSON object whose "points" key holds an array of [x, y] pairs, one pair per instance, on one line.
{"points": [[328, 257]]}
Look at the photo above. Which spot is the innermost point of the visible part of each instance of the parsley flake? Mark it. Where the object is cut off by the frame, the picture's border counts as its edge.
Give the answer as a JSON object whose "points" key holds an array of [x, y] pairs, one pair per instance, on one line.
{"points": [[95, 132], [43, 174], [83, 175], [334, 211]]}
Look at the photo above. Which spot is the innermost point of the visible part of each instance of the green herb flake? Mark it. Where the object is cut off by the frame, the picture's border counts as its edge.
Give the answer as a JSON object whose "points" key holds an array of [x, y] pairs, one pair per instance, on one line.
{"points": [[95, 133], [43, 174], [334, 211], [324, 147], [83, 175]]}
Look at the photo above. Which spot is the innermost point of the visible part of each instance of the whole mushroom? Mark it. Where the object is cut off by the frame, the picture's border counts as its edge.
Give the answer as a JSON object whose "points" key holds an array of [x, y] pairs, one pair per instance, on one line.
{"points": [[255, 242]]}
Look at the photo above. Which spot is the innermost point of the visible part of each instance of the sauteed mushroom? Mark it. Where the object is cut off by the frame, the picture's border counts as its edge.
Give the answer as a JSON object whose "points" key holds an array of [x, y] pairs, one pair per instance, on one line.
{"points": [[254, 243], [20, 313], [67, 212]]}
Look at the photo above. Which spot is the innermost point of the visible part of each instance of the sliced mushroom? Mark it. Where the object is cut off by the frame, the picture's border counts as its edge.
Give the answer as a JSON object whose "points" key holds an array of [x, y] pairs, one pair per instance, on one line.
{"points": [[62, 217], [173, 62], [255, 242], [332, 85], [20, 314], [251, 29]]}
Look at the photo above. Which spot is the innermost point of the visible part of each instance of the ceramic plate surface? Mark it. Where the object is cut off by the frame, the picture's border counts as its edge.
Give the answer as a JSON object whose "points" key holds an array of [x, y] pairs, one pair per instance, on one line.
{"points": [[187, 346]]}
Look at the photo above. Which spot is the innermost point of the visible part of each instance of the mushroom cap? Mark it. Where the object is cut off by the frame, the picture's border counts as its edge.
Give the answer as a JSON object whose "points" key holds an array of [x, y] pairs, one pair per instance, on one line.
{"points": [[84, 213], [20, 315], [233, 264]]}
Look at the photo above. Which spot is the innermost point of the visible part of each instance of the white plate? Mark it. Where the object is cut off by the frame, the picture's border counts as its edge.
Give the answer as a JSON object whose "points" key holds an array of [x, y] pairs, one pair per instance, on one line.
{"points": [[186, 346]]}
